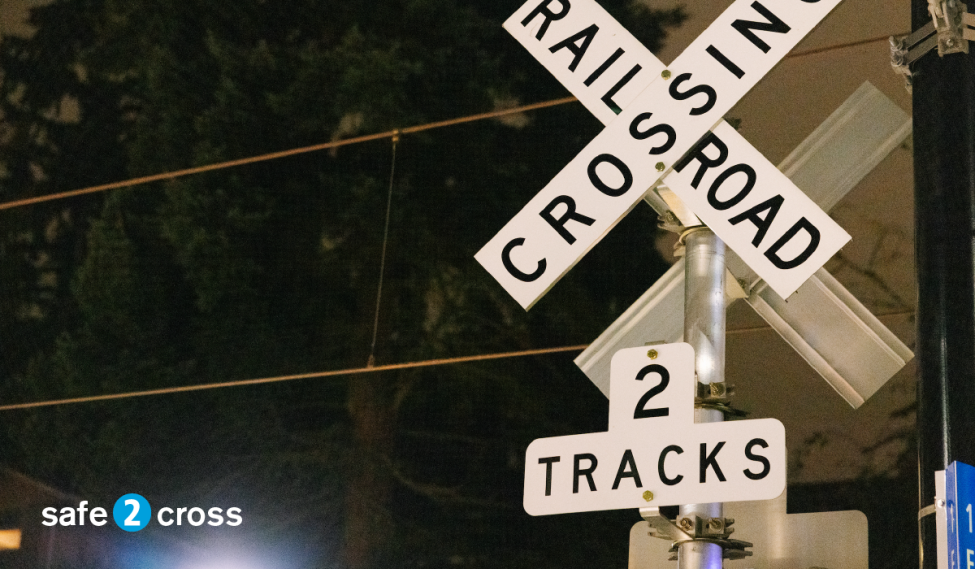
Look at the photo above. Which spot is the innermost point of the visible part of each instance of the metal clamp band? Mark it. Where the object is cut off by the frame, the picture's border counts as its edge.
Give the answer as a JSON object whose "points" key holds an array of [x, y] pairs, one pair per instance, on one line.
{"points": [[930, 509]]}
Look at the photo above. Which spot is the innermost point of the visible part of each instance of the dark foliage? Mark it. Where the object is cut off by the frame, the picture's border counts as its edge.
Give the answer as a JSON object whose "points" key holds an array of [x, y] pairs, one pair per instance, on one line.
{"points": [[272, 269]]}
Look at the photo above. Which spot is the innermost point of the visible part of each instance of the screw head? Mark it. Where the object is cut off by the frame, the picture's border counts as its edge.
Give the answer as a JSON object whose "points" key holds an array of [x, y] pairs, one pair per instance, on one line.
{"points": [[648, 495], [652, 354], [714, 523], [685, 524], [661, 167], [665, 73]]}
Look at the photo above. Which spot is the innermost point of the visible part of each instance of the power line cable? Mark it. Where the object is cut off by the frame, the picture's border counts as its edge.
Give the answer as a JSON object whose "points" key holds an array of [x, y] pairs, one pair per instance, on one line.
{"points": [[321, 374], [356, 140], [382, 263], [350, 371], [370, 367], [839, 46], [282, 154]]}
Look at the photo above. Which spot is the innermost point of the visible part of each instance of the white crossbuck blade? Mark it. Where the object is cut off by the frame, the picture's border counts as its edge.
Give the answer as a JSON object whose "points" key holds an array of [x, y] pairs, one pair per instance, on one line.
{"points": [[846, 344], [743, 198], [654, 454]]}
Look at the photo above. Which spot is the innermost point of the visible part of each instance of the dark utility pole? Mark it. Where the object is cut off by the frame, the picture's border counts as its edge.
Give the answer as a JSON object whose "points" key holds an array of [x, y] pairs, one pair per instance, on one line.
{"points": [[944, 190]]}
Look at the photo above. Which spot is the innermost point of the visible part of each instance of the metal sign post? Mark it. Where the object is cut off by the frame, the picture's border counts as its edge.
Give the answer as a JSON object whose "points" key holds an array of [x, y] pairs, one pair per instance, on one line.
{"points": [[704, 330], [944, 190]]}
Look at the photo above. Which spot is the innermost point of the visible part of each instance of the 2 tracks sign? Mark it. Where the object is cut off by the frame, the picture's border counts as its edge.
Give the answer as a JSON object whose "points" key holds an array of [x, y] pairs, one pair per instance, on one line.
{"points": [[654, 454]]}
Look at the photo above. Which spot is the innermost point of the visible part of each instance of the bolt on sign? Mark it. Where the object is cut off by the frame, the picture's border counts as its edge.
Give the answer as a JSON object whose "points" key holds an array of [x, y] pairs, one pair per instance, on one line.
{"points": [[657, 136], [654, 453]]}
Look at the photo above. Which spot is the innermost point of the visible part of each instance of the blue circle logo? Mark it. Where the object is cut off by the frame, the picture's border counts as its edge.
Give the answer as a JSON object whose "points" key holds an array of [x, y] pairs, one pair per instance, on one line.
{"points": [[132, 512]]}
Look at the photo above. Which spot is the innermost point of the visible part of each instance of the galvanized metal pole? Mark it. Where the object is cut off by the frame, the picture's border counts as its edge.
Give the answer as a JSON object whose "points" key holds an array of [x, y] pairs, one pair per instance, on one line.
{"points": [[944, 207], [704, 330]]}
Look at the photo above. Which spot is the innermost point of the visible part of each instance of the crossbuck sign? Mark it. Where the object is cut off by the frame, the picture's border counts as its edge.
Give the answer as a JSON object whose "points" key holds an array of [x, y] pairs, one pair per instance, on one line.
{"points": [[671, 130]]}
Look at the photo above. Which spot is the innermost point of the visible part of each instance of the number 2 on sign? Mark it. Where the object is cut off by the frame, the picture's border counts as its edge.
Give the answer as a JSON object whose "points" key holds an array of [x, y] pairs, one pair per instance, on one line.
{"points": [[641, 411], [648, 387]]}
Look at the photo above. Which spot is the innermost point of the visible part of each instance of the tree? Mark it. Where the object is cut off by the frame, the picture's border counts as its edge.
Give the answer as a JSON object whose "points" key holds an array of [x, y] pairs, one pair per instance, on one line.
{"points": [[272, 268]]}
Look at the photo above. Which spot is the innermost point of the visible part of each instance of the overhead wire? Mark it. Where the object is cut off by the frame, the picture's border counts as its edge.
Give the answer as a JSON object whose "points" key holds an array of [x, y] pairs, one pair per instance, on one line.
{"points": [[280, 378], [846, 45], [355, 140], [283, 154], [370, 367], [348, 371], [382, 263]]}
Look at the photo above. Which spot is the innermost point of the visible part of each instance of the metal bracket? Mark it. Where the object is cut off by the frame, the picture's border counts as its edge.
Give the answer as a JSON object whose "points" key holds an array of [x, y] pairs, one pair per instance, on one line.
{"points": [[669, 221], [928, 510], [661, 527], [718, 404], [681, 212], [716, 396], [950, 30], [717, 392], [732, 549], [694, 528]]}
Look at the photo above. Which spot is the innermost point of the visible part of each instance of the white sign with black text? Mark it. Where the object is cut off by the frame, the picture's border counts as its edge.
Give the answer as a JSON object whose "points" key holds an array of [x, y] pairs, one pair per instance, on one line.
{"points": [[588, 51], [643, 144], [654, 454], [773, 226]]}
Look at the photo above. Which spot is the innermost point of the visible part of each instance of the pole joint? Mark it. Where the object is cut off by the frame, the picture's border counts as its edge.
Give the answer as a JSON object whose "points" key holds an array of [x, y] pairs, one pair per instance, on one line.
{"points": [[950, 30], [693, 528], [717, 396]]}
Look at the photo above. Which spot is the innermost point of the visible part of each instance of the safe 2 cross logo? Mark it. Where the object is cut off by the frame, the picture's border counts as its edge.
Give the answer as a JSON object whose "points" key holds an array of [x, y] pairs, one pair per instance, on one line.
{"points": [[133, 513]]}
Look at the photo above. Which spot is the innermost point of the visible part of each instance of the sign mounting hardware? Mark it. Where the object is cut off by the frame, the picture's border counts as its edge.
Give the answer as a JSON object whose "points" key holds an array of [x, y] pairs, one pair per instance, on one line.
{"points": [[950, 30]]}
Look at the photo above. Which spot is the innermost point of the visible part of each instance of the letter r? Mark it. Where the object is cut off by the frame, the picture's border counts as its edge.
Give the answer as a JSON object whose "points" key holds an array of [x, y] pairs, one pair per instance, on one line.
{"points": [[546, 13], [570, 215]]}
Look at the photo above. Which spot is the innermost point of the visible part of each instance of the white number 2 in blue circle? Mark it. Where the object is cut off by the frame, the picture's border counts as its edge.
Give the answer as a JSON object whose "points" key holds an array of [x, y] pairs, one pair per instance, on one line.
{"points": [[132, 512]]}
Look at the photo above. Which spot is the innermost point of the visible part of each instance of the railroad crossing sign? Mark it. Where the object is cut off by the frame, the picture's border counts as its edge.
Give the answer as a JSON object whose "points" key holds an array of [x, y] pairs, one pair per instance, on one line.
{"points": [[837, 335], [654, 454], [772, 225]]}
